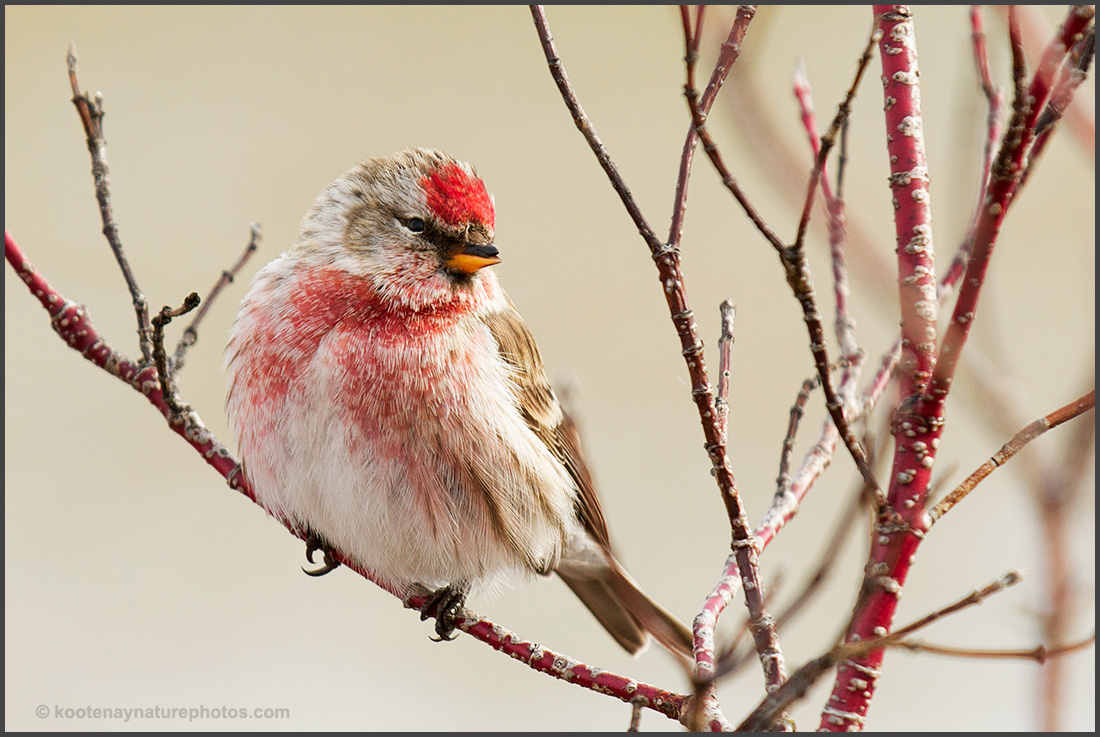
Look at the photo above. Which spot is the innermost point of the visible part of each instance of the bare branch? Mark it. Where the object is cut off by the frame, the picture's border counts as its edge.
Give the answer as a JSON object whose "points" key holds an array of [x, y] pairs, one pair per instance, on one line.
{"points": [[90, 110], [826, 561], [1012, 447], [191, 332], [1041, 654], [636, 706], [900, 522], [834, 205], [698, 117], [725, 348], [72, 323], [727, 55], [1005, 178], [995, 99], [557, 665], [1075, 73], [160, 357], [783, 481]]}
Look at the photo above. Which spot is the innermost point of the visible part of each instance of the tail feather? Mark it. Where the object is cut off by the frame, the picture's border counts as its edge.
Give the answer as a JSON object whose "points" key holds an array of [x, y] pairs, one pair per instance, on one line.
{"points": [[609, 611], [626, 612]]}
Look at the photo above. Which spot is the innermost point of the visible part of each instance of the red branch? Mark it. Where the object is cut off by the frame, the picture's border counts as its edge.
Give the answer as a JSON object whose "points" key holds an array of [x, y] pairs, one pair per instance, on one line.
{"points": [[70, 320], [902, 525], [925, 377], [565, 668], [1004, 181]]}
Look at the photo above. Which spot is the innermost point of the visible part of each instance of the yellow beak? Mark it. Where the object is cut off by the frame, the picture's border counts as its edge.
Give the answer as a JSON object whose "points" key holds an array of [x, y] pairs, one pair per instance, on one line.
{"points": [[473, 258]]}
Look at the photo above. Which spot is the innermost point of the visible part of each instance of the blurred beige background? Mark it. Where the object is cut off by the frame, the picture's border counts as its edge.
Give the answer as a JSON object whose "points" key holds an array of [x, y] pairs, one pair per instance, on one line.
{"points": [[134, 578]]}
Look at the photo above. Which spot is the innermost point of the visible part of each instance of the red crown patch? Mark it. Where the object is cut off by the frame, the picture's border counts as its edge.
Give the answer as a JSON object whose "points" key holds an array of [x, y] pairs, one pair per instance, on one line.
{"points": [[456, 197]]}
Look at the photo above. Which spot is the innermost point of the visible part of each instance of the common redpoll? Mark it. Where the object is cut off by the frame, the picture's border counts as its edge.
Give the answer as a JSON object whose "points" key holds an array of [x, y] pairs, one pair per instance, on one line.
{"points": [[389, 401]]}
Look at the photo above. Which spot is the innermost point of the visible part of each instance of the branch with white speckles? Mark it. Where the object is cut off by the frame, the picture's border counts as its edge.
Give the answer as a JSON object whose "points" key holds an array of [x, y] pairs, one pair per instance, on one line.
{"points": [[901, 519], [153, 380], [544, 660], [926, 369], [70, 320]]}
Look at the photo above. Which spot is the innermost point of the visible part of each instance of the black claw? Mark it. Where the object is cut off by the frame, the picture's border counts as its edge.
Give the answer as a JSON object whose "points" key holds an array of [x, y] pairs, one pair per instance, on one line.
{"points": [[444, 605], [313, 544], [329, 566]]}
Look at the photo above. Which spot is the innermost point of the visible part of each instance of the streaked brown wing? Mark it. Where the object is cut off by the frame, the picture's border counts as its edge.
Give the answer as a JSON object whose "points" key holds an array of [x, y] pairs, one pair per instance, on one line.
{"points": [[543, 414]]}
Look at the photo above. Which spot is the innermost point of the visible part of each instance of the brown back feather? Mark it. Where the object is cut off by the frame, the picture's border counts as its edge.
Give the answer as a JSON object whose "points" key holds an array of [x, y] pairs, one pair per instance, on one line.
{"points": [[543, 414], [623, 609]]}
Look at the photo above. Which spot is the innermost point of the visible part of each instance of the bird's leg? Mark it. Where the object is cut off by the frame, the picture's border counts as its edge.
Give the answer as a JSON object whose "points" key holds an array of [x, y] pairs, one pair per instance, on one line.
{"points": [[444, 604], [314, 543]]}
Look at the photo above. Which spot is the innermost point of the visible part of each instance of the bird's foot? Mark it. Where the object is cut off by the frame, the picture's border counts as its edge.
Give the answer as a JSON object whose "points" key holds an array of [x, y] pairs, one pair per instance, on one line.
{"points": [[444, 605]]}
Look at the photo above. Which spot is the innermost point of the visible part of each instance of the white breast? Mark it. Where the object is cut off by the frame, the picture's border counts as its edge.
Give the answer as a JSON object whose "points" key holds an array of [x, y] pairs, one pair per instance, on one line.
{"points": [[405, 451]]}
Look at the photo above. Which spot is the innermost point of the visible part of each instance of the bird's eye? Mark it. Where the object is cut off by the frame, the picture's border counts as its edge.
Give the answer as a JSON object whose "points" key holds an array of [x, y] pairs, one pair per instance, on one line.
{"points": [[415, 225]]}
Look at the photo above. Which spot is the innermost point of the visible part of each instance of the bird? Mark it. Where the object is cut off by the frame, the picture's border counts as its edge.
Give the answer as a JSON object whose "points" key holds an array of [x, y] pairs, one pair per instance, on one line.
{"points": [[389, 402]]}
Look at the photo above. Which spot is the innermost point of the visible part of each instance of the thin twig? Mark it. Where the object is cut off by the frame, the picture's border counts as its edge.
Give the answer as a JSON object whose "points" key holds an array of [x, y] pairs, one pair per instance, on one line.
{"points": [[1057, 491], [1007, 171], [730, 182], [1019, 61], [1035, 32], [727, 55], [842, 161], [1072, 77], [829, 139], [981, 54], [90, 110], [825, 564], [844, 326], [1076, 71], [72, 323], [1012, 447], [1041, 654], [786, 502], [994, 125], [160, 356], [798, 409], [191, 332], [859, 501], [972, 599], [636, 706], [725, 349]]}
